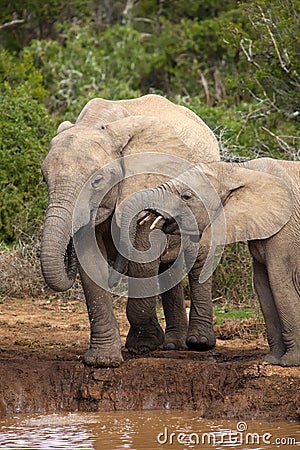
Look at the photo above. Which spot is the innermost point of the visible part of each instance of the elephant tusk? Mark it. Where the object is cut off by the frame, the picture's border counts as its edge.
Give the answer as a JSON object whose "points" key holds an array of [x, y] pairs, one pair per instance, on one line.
{"points": [[153, 225], [146, 219]]}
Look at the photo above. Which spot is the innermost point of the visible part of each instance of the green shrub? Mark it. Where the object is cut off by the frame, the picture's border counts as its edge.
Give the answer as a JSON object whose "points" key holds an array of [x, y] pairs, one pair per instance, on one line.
{"points": [[90, 64], [25, 131], [245, 130], [21, 71]]}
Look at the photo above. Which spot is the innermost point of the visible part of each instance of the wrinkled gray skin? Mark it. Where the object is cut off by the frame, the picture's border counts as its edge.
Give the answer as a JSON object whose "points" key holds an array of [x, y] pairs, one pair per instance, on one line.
{"points": [[106, 131], [261, 203]]}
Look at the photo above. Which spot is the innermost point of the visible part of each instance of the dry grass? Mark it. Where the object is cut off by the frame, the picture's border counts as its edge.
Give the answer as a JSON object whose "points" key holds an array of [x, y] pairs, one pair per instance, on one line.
{"points": [[21, 274], [232, 280], [250, 328]]}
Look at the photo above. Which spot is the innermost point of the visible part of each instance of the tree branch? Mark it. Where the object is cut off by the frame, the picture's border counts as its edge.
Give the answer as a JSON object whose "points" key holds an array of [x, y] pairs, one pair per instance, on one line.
{"points": [[11, 24], [282, 144], [248, 53], [206, 89], [282, 64]]}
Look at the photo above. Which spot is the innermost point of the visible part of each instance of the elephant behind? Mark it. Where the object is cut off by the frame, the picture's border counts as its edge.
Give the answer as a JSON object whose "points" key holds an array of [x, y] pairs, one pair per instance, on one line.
{"points": [[84, 159]]}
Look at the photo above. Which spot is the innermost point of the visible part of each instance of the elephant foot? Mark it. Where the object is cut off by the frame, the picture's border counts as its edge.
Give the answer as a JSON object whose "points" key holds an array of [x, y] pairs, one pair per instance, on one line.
{"points": [[201, 340], [174, 340], [290, 358], [102, 358], [272, 358], [276, 352], [140, 340]]}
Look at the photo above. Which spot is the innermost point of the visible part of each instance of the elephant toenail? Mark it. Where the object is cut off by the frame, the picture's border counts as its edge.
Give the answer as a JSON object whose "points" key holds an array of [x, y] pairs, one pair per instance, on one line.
{"points": [[203, 340], [170, 346], [192, 340]]}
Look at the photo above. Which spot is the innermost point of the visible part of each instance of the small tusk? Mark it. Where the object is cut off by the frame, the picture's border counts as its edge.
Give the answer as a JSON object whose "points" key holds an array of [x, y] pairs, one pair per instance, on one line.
{"points": [[146, 219], [153, 225]]}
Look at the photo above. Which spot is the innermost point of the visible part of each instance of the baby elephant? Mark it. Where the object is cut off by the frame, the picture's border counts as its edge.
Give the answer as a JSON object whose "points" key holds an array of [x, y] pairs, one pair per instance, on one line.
{"points": [[257, 201]]}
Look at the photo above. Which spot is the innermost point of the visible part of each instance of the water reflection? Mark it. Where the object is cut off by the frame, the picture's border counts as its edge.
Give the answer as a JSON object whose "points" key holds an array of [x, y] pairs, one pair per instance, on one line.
{"points": [[148, 430]]}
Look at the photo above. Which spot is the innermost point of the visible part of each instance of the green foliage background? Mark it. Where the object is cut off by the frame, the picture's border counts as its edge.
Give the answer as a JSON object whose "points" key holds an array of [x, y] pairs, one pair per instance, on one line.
{"points": [[235, 63]]}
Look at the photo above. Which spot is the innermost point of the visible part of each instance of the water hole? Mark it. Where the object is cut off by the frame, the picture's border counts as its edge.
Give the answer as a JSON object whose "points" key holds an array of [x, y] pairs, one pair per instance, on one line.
{"points": [[146, 430]]}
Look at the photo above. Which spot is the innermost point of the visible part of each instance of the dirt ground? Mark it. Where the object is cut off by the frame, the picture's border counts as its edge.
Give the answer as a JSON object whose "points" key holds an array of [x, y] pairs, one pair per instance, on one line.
{"points": [[40, 370]]}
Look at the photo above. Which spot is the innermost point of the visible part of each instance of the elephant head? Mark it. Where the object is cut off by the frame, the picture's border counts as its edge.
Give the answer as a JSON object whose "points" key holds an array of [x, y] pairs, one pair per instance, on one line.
{"points": [[87, 159], [255, 198], [235, 202]]}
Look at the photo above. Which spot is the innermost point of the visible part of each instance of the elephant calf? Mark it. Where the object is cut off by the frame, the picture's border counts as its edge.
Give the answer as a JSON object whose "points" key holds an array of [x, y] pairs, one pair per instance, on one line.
{"points": [[221, 203]]}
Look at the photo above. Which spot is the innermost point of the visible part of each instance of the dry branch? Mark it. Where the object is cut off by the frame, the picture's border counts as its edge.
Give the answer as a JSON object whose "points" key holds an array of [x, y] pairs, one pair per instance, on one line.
{"points": [[282, 144], [11, 24], [282, 64]]}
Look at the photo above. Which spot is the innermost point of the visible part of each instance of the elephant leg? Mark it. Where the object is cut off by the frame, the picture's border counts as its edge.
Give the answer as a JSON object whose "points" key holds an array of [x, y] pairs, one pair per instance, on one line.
{"points": [[201, 335], [174, 310], [285, 284], [145, 333], [105, 340], [269, 310]]}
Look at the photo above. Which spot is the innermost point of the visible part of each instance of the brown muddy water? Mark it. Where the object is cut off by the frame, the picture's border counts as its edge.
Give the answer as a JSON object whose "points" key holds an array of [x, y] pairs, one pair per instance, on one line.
{"points": [[147, 430]]}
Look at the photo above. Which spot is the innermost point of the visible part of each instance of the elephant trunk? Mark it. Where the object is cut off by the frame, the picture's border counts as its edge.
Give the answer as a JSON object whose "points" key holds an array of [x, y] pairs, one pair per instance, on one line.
{"points": [[58, 259], [150, 199]]}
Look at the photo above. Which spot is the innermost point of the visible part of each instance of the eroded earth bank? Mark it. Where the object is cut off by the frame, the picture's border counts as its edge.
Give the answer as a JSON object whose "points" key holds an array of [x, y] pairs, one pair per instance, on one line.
{"points": [[40, 371]]}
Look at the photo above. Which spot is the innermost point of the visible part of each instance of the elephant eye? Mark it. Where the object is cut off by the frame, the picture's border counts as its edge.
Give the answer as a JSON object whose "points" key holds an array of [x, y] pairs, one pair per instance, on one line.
{"points": [[186, 196], [97, 181]]}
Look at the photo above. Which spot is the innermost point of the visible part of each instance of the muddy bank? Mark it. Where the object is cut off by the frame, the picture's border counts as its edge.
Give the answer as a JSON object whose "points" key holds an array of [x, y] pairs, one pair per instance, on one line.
{"points": [[40, 372], [219, 384]]}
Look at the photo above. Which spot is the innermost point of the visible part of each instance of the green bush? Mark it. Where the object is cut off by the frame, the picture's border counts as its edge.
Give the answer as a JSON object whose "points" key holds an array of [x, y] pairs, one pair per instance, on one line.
{"points": [[90, 64], [268, 67], [39, 19], [21, 71], [245, 130], [25, 131]]}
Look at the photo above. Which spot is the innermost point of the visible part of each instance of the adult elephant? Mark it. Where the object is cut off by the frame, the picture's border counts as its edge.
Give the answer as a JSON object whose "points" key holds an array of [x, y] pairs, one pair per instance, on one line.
{"points": [[108, 131]]}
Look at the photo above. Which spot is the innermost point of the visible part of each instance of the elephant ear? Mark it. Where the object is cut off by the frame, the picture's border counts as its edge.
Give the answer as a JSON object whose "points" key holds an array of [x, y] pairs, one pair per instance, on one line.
{"points": [[151, 153], [256, 204], [64, 126]]}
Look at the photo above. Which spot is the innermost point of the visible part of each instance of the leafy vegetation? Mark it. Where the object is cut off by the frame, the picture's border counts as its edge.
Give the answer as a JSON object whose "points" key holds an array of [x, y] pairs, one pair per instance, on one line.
{"points": [[26, 129], [235, 63], [224, 313]]}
